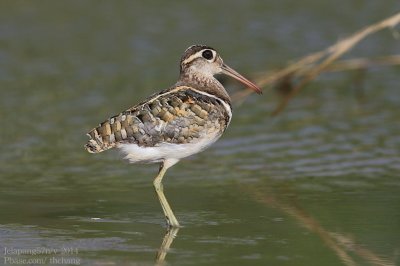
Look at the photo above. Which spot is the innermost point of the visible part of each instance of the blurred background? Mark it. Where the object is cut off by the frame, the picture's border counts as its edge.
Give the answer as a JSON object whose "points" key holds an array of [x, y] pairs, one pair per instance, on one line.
{"points": [[317, 185]]}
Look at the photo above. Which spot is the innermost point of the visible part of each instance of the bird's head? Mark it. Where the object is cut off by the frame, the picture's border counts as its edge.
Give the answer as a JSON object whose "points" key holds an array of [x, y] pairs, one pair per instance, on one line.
{"points": [[205, 61]]}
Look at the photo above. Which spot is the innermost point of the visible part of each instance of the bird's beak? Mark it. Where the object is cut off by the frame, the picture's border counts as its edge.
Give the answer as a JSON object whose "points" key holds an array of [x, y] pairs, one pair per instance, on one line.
{"points": [[231, 72]]}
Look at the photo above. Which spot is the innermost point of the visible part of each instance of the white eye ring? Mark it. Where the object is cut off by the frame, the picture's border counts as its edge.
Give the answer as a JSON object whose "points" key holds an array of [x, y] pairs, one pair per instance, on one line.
{"points": [[208, 54]]}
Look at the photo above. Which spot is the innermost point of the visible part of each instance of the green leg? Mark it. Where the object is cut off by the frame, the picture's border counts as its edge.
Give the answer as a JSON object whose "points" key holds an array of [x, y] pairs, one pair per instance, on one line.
{"points": [[169, 215]]}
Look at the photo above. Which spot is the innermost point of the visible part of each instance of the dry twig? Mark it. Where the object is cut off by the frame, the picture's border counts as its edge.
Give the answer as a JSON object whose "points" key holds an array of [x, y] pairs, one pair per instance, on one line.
{"points": [[309, 67]]}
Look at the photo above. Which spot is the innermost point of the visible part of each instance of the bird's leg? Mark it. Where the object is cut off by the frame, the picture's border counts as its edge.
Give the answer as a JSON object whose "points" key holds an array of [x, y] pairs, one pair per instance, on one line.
{"points": [[171, 220]]}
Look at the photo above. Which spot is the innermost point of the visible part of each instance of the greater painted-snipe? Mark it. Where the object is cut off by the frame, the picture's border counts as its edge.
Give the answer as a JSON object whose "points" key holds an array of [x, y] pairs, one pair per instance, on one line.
{"points": [[174, 123]]}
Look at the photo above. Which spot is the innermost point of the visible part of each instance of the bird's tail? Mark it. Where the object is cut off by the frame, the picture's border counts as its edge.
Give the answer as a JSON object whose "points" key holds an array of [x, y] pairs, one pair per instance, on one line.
{"points": [[100, 138]]}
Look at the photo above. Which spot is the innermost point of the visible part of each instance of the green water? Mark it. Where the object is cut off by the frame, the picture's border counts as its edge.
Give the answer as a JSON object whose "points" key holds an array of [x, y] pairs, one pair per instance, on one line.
{"points": [[317, 185]]}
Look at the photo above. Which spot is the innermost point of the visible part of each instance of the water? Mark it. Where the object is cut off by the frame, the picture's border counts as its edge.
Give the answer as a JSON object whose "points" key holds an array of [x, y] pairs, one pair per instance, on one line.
{"points": [[317, 185]]}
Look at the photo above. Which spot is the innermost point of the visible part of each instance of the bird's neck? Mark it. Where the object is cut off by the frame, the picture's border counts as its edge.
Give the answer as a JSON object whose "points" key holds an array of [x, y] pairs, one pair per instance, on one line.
{"points": [[206, 83]]}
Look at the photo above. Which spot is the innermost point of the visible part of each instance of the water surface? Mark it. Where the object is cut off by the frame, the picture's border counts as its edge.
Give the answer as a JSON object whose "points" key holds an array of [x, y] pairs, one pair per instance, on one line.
{"points": [[317, 185]]}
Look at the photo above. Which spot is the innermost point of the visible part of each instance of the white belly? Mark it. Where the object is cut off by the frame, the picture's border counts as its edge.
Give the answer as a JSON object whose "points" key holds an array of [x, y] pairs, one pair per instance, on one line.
{"points": [[164, 151]]}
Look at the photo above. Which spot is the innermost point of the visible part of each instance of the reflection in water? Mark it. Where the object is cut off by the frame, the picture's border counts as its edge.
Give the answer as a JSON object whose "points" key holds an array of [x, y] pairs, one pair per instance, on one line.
{"points": [[165, 245], [338, 242]]}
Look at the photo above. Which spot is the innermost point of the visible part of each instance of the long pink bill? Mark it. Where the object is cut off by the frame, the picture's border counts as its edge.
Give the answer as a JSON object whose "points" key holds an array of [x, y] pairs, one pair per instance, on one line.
{"points": [[231, 72]]}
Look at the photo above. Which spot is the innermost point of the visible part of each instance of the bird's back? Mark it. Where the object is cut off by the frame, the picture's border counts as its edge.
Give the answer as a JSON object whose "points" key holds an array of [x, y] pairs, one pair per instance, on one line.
{"points": [[179, 115]]}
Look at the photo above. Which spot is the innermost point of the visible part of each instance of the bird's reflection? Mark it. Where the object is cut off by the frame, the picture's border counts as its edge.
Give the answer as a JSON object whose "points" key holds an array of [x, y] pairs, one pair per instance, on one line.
{"points": [[166, 244], [343, 246]]}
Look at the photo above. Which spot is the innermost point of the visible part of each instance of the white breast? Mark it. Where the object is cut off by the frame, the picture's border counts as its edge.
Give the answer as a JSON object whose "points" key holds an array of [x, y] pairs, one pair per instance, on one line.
{"points": [[163, 151]]}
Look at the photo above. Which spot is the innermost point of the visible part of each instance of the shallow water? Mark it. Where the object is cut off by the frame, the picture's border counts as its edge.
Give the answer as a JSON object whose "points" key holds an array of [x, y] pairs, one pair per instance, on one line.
{"points": [[317, 185]]}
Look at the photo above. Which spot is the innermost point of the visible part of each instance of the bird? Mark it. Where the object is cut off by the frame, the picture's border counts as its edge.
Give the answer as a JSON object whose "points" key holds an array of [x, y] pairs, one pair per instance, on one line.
{"points": [[174, 123]]}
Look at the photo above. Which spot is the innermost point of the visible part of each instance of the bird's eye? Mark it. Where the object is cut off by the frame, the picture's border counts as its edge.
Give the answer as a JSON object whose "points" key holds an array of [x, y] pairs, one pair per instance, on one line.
{"points": [[207, 54]]}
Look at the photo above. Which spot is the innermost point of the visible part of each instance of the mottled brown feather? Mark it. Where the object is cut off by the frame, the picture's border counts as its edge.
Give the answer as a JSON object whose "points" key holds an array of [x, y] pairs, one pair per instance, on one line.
{"points": [[178, 115]]}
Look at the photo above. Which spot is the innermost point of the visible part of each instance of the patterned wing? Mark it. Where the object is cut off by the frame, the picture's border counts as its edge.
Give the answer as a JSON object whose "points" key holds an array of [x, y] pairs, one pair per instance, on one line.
{"points": [[180, 115]]}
